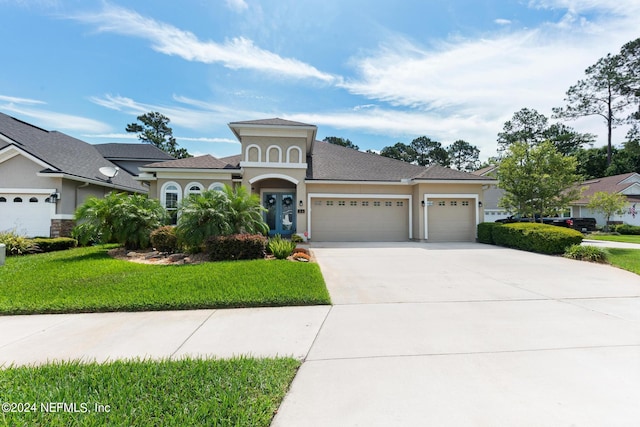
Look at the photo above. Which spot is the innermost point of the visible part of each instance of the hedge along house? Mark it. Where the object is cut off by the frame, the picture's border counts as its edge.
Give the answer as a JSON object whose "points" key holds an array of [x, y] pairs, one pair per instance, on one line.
{"points": [[46, 175], [327, 192]]}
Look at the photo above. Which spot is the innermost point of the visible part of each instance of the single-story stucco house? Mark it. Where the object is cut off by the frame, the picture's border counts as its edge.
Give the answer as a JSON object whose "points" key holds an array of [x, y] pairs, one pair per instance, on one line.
{"points": [[326, 192], [627, 184], [46, 175]]}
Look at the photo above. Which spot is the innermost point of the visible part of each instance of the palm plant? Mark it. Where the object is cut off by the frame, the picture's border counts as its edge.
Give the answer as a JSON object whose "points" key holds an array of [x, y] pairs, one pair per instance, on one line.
{"points": [[245, 212], [219, 213], [118, 217]]}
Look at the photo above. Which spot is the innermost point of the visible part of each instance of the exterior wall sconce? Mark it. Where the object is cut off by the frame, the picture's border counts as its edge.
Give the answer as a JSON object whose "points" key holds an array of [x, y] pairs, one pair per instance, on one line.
{"points": [[300, 203], [423, 203], [53, 197], [479, 203]]}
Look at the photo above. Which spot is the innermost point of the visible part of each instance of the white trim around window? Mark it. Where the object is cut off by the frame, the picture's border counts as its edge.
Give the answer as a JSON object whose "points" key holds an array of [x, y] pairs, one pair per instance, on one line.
{"points": [[216, 186], [188, 189]]}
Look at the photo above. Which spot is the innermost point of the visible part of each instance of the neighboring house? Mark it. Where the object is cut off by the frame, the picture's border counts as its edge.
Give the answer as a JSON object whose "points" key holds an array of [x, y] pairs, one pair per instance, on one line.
{"points": [[327, 192], [46, 175], [130, 157], [627, 184], [492, 195]]}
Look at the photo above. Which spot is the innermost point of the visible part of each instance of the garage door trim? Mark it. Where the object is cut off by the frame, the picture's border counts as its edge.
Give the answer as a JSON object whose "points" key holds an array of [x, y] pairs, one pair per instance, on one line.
{"points": [[448, 196], [407, 197]]}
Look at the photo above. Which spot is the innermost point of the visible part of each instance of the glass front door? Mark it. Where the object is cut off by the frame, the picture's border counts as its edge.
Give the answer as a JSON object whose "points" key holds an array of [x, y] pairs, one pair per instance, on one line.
{"points": [[280, 215]]}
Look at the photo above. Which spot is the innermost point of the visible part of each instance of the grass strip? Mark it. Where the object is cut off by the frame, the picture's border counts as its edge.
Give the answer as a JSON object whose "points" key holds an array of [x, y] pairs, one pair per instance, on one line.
{"points": [[89, 280], [624, 238], [188, 392], [628, 259]]}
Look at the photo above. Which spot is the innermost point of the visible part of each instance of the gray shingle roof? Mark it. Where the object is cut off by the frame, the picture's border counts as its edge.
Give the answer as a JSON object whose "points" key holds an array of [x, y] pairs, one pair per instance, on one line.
{"points": [[206, 161], [337, 163], [136, 151], [62, 152]]}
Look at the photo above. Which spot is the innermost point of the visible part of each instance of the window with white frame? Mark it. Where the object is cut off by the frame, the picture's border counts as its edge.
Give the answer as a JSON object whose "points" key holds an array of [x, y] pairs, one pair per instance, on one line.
{"points": [[171, 196], [216, 186], [193, 188]]}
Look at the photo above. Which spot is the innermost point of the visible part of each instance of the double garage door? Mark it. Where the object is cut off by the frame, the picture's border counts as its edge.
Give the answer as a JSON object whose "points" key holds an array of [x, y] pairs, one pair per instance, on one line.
{"points": [[26, 214], [359, 219]]}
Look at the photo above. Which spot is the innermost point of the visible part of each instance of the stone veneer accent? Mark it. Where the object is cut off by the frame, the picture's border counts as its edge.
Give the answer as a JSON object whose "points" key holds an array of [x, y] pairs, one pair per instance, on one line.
{"points": [[61, 227]]}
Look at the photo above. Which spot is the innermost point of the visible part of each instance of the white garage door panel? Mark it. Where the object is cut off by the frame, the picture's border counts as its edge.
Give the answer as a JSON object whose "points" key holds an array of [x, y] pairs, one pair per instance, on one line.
{"points": [[451, 220], [359, 220], [26, 218]]}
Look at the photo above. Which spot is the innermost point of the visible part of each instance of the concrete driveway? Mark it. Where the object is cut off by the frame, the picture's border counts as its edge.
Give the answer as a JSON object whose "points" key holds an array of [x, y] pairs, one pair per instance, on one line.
{"points": [[469, 335]]}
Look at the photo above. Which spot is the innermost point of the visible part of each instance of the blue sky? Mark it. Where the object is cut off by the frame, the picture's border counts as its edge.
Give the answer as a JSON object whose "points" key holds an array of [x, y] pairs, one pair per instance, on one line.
{"points": [[374, 72]]}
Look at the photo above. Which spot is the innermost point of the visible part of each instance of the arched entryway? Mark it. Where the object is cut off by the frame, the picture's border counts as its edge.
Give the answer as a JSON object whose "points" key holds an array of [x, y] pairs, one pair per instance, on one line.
{"points": [[278, 196]]}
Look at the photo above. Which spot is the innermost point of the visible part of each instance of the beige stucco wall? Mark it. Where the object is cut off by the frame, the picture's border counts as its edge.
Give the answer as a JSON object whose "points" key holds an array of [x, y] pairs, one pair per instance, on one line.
{"points": [[267, 141], [20, 172]]}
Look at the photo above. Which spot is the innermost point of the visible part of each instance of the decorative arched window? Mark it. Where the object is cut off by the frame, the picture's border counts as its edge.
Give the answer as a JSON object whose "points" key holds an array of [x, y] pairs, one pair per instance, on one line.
{"points": [[171, 196], [3, 200], [17, 200], [216, 186], [33, 200], [274, 154], [193, 188]]}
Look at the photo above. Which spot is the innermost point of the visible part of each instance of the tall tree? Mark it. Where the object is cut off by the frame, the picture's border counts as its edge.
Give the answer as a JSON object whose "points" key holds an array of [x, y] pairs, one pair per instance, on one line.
{"points": [[399, 151], [630, 66], [153, 128], [428, 152], [537, 180], [598, 95], [341, 141], [531, 127], [464, 156]]}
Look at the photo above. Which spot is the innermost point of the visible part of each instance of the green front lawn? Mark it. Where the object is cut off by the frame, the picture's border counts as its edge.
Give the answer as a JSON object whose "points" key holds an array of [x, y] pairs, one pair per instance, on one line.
{"points": [[89, 280], [236, 392], [628, 259], [626, 238]]}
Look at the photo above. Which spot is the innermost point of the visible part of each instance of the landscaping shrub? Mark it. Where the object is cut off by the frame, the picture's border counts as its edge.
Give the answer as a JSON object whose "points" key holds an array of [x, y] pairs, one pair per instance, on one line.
{"points": [[281, 248], [164, 239], [628, 229], [236, 247], [127, 219], [541, 238], [45, 244], [296, 239], [485, 232], [17, 244], [586, 253]]}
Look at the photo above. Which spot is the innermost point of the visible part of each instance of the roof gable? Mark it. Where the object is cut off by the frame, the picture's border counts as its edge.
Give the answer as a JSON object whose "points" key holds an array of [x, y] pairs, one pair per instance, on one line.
{"points": [[67, 155]]}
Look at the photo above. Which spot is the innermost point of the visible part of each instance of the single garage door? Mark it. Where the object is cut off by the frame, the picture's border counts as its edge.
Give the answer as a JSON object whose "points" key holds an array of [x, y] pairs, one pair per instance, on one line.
{"points": [[26, 214], [451, 220], [359, 220]]}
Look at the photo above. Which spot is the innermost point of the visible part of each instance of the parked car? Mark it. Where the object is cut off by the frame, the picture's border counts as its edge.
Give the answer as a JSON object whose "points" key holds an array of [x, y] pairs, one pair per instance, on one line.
{"points": [[581, 224]]}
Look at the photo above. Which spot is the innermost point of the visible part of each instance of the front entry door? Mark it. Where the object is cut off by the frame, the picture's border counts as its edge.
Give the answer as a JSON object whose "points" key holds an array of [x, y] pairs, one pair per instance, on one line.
{"points": [[280, 215]]}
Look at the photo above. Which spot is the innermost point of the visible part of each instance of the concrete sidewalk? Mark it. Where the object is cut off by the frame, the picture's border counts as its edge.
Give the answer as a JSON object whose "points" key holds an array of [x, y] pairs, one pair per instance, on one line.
{"points": [[260, 332]]}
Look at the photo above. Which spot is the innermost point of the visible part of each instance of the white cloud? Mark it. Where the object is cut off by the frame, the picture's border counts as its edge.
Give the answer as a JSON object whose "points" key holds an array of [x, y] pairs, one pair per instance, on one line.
{"points": [[501, 21], [214, 140], [237, 5], [234, 53], [24, 108], [473, 85]]}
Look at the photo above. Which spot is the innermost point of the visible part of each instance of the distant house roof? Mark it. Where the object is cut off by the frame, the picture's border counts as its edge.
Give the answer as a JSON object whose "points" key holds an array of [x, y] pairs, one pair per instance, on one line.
{"points": [[136, 151], [627, 184], [206, 161], [486, 171], [64, 154]]}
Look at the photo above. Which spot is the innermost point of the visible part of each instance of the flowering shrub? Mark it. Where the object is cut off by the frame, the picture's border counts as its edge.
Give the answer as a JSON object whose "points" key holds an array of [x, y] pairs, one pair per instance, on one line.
{"points": [[300, 256]]}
